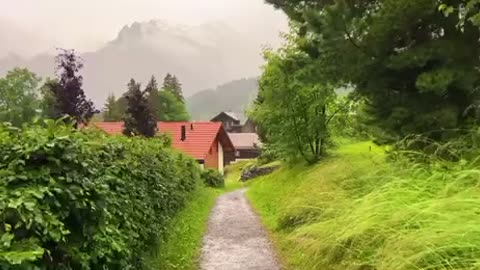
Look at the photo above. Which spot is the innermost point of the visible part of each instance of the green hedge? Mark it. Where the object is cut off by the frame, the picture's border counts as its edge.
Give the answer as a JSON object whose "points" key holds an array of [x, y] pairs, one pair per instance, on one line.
{"points": [[84, 200], [212, 178]]}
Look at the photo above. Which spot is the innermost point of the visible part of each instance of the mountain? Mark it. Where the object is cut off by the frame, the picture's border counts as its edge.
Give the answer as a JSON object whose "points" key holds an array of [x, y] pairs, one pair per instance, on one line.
{"points": [[234, 96], [201, 56]]}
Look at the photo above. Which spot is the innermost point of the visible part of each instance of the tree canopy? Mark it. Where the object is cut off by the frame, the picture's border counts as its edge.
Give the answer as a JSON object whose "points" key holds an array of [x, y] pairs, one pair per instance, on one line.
{"points": [[295, 105], [114, 109], [416, 69], [19, 96], [139, 118], [172, 84], [66, 93]]}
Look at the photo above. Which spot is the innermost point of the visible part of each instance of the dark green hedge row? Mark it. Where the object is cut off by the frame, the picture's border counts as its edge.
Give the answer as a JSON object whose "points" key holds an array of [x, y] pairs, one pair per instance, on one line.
{"points": [[212, 178], [84, 200]]}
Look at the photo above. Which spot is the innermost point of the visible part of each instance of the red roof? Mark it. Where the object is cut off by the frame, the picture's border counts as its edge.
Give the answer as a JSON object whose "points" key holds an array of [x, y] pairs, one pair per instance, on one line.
{"points": [[198, 141]]}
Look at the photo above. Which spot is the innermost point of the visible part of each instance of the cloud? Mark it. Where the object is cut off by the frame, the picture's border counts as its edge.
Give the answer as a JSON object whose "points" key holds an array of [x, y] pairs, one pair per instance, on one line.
{"points": [[88, 24]]}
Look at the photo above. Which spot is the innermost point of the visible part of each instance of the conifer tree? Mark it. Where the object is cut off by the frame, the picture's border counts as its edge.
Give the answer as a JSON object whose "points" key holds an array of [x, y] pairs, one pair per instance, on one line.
{"points": [[139, 119], [173, 85], [113, 111]]}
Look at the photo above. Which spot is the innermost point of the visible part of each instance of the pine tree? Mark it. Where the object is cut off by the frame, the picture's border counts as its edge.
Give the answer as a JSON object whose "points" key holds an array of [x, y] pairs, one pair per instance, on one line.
{"points": [[68, 95], [173, 85], [152, 85], [167, 104], [153, 97], [139, 119], [113, 111]]}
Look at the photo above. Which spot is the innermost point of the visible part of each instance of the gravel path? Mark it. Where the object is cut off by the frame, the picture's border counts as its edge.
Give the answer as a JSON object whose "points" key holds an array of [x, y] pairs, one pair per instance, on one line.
{"points": [[236, 239]]}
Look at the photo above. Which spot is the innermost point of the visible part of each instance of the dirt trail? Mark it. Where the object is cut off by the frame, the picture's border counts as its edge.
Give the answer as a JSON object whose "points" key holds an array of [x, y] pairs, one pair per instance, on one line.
{"points": [[236, 239]]}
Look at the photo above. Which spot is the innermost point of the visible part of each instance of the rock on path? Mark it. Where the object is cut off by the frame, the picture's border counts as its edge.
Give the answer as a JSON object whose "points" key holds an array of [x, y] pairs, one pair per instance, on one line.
{"points": [[236, 239]]}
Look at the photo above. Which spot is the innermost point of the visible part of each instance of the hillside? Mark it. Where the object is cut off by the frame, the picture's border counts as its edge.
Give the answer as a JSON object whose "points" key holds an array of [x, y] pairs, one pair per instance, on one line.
{"points": [[355, 210], [201, 56], [234, 96]]}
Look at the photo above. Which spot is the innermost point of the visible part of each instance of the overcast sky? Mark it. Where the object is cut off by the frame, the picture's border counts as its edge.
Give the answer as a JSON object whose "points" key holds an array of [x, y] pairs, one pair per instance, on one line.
{"points": [[31, 26]]}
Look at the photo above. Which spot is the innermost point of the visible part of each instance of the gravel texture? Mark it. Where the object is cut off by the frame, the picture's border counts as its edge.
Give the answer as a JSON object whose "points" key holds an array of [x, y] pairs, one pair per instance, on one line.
{"points": [[236, 239]]}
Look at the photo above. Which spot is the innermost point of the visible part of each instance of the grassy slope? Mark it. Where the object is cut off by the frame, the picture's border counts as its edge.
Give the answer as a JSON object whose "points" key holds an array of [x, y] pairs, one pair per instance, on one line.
{"points": [[355, 211], [181, 248], [233, 173]]}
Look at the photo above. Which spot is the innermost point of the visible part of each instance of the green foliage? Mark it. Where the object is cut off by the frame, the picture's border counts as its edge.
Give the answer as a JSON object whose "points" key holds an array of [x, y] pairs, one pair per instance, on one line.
{"points": [[233, 172], [139, 117], [468, 11], [19, 97], [268, 154], [47, 104], [180, 248], [170, 108], [355, 211], [66, 92], [166, 104], [172, 85], [114, 109], [416, 68], [295, 106], [85, 200], [462, 146], [212, 178]]}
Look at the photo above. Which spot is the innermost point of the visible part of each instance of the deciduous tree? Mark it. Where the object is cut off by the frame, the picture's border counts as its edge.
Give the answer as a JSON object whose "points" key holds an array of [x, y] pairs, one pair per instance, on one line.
{"points": [[416, 68], [295, 107], [19, 96], [67, 91]]}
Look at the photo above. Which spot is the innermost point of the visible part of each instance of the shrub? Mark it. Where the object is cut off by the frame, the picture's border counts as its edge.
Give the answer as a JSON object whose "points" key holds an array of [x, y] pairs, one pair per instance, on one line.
{"points": [[213, 178], [85, 200], [269, 154]]}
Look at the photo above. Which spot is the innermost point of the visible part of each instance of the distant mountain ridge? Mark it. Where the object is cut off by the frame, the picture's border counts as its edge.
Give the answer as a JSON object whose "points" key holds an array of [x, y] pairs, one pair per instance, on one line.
{"points": [[201, 56], [234, 96]]}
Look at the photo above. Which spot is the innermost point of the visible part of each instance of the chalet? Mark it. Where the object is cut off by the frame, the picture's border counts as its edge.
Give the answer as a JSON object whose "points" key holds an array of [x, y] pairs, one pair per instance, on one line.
{"points": [[233, 124], [247, 145], [207, 142], [229, 120]]}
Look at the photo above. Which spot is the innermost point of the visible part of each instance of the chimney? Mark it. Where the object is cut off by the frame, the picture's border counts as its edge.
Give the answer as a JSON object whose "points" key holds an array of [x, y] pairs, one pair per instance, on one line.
{"points": [[183, 135], [191, 126]]}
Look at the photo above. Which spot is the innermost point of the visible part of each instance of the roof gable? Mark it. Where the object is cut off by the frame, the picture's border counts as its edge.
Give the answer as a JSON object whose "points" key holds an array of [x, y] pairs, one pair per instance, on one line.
{"points": [[230, 115]]}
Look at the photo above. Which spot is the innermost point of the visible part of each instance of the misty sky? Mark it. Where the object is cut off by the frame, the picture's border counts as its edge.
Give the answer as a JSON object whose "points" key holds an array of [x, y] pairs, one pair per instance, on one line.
{"points": [[29, 27]]}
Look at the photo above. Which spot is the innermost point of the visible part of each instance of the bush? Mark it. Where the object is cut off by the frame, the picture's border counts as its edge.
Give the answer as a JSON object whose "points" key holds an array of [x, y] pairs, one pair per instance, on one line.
{"points": [[85, 200], [269, 154], [213, 178]]}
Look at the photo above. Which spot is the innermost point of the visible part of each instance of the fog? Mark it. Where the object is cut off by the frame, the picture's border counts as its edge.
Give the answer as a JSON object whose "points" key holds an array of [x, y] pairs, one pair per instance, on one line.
{"points": [[205, 43], [29, 27]]}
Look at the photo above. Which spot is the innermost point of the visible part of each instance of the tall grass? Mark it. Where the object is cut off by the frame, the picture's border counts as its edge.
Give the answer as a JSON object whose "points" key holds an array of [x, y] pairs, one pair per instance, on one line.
{"points": [[180, 249], [233, 173], [355, 211]]}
